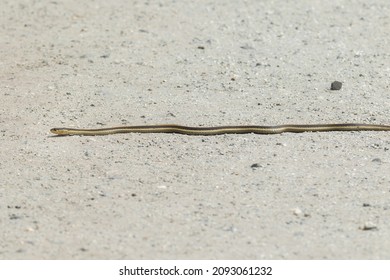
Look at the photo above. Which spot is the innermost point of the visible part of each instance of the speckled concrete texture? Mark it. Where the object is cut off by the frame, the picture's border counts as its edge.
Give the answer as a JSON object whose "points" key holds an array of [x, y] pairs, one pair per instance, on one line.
{"points": [[92, 64]]}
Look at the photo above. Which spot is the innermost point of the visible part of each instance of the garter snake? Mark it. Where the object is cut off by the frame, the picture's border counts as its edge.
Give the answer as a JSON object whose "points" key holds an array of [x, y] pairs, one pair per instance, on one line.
{"points": [[173, 128]]}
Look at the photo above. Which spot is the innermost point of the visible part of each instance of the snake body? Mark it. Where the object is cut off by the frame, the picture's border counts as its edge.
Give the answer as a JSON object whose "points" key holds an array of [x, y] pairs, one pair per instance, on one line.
{"points": [[217, 130]]}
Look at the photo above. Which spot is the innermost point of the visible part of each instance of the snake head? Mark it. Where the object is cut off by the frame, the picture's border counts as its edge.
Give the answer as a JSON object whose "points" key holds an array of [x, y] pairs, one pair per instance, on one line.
{"points": [[59, 131]]}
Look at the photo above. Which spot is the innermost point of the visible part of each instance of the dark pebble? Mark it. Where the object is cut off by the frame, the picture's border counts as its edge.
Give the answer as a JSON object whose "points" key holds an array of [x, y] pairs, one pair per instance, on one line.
{"points": [[336, 85]]}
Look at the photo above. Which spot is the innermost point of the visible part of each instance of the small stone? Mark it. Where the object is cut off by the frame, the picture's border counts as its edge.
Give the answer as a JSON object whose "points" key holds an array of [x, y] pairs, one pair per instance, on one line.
{"points": [[297, 211], [369, 226], [14, 217], [336, 85]]}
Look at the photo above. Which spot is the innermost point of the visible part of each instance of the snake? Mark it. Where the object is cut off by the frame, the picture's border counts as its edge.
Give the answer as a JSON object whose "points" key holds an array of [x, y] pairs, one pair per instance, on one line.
{"points": [[217, 130]]}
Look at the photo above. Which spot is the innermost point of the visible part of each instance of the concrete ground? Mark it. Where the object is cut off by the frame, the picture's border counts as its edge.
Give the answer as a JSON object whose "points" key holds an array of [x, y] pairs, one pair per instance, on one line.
{"points": [[93, 64]]}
